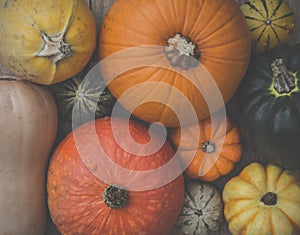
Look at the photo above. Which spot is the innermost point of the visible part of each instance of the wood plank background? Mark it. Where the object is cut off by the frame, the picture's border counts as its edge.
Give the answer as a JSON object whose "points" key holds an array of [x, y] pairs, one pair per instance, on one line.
{"points": [[99, 8]]}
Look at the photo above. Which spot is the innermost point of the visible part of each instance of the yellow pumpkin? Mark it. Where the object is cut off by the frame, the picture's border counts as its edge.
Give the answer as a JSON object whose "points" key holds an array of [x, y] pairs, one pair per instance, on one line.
{"points": [[263, 200], [46, 41]]}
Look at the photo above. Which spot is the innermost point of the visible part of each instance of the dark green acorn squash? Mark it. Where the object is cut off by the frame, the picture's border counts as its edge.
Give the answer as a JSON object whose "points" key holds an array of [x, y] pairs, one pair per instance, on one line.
{"points": [[269, 102], [88, 97]]}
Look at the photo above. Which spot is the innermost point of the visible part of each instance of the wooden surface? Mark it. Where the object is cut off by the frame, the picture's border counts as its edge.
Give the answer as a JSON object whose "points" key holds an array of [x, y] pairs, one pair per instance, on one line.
{"points": [[99, 8]]}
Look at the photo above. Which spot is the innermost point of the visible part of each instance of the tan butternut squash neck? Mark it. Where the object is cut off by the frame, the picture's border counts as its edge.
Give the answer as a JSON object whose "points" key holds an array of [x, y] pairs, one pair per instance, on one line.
{"points": [[115, 196], [182, 52], [55, 48]]}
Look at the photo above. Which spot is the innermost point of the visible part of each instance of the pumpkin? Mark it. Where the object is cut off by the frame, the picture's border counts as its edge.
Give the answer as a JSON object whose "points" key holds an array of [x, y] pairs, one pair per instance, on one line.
{"points": [[202, 211], [263, 200], [215, 151], [162, 59], [87, 195], [28, 124], [46, 41], [271, 23], [82, 99], [268, 99]]}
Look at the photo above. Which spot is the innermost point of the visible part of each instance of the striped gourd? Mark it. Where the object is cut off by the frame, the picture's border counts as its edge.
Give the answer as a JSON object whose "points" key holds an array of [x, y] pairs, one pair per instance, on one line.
{"points": [[202, 211], [271, 23], [81, 99]]}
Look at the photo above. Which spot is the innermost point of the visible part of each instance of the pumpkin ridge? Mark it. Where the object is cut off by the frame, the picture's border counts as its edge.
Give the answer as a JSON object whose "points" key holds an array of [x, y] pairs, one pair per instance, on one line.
{"points": [[252, 6], [210, 21], [264, 3], [212, 35], [198, 18], [290, 220], [283, 16], [277, 8]]}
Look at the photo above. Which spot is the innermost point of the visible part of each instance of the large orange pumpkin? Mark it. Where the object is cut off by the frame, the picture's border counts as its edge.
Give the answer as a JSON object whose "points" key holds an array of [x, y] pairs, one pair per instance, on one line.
{"points": [[80, 202], [150, 47]]}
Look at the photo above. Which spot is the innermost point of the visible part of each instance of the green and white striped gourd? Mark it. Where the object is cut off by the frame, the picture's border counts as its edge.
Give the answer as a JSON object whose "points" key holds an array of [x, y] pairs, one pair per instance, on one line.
{"points": [[202, 211], [82, 99], [271, 23]]}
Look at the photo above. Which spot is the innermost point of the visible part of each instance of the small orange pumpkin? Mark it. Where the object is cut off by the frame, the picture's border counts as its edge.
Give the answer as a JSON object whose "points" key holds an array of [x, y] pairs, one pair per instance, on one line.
{"points": [[216, 152], [170, 37]]}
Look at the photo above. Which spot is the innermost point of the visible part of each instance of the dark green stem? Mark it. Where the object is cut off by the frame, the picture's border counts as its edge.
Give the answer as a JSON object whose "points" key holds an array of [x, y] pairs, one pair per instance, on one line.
{"points": [[269, 199]]}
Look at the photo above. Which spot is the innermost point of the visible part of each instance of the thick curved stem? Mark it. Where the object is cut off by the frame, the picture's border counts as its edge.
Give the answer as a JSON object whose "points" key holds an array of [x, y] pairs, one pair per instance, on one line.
{"points": [[284, 82]]}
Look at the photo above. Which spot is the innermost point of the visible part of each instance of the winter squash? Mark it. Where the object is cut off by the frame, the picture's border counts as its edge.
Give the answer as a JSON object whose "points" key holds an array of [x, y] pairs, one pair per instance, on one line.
{"points": [[46, 41], [268, 100], [263, 200], [202, 211], [151, 50], [271, 23], [83, 98], [28, 125], [215, 151], [86, 195]]}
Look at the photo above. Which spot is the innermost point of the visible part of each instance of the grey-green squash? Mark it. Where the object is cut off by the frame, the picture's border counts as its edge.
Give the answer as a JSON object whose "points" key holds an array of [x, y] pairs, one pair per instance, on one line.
{"points": [[81, 99], [202, 211]]}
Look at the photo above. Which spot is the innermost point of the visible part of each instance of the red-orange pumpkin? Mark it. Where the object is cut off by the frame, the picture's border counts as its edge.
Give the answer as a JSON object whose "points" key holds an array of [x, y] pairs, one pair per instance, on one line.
{"points": [[81, 203], [175, 35]]}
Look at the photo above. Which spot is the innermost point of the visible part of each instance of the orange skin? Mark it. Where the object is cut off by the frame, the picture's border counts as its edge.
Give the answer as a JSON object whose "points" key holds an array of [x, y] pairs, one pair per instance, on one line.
{"points": [[75, 196], [229, 153], [217, 27]]}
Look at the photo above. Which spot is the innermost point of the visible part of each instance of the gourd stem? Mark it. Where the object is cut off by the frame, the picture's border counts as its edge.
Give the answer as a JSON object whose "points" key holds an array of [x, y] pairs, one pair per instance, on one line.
{"points": [[10, 77], [208, 147], [284, 82], [55, 49], [182, 52], [269, 199], [115, 196]]}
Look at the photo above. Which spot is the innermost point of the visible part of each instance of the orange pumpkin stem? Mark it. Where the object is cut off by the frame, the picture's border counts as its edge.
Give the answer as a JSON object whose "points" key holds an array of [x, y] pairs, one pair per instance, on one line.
{"points": [[55, 49], [182, 52], [269, 199], [115, 196], [284, 82]]}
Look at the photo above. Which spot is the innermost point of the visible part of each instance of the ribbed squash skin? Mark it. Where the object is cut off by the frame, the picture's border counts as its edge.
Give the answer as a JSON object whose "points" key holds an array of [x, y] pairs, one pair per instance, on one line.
{"points": [[202, 210], [271, 23], [263, 199]]}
